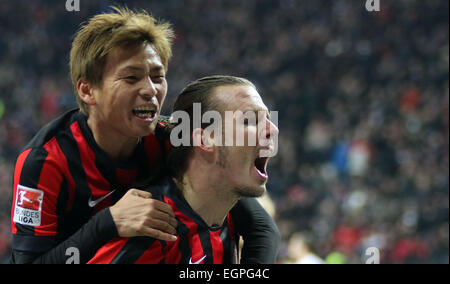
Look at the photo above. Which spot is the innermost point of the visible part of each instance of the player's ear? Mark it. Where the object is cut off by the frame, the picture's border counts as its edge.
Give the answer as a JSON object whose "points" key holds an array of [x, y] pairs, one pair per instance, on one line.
{"points": [[202, 139], [85, 92]]}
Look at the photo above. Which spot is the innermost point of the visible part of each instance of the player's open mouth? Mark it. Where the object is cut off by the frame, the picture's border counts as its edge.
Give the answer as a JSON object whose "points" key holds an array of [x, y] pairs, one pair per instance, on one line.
{"points": [[261, 167], [145, 112]]}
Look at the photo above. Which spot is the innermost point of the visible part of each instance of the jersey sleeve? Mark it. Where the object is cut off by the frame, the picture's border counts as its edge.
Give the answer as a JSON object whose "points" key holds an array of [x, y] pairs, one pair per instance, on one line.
{"points": [[84, 243], [259, 231], [37, 183], [107, 253]]}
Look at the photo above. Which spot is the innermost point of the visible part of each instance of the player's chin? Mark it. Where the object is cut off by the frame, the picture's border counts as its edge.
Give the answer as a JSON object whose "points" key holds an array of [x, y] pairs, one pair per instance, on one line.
{"points": [[252, 191], [144, 130]]}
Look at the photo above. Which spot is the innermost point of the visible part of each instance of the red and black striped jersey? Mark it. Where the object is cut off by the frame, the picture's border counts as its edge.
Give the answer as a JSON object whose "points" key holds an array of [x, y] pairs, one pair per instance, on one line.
{"points": [[62, 178], [197, 242]]}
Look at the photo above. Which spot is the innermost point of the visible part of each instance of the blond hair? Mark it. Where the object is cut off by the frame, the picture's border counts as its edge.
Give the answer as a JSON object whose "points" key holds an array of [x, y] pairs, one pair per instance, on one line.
{"points": [[104, 32]]}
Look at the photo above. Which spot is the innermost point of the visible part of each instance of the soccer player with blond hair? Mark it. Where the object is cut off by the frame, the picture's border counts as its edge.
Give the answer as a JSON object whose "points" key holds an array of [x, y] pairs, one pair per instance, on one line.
{"points": [[76, 182]]}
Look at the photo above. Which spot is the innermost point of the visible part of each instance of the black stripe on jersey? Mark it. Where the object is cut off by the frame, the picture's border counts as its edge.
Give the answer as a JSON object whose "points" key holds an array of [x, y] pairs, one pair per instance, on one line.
{"points": [[132, 250], [163, 260], [226, 258], [80, 207], [183, 246], [29, 177], [148, 172], [61, 205], [63, 197], [205, 240], [145, 172]]}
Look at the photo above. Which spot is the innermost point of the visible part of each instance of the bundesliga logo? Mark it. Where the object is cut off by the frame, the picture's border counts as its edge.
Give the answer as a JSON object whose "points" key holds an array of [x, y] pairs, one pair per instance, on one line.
{"points": [[28, 206]]}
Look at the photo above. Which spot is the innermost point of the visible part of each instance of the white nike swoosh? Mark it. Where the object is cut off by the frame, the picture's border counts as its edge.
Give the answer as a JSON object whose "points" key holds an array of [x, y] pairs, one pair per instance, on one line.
{"points": [[92, 203], [197, 262]]}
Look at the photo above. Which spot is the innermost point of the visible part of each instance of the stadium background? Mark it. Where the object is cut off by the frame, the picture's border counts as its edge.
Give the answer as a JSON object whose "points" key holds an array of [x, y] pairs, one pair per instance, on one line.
{"points": [[362, 97]]}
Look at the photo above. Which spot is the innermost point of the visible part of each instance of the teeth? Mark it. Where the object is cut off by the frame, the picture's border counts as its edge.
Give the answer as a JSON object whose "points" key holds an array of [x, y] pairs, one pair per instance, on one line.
{"points": [[142, 115], [144, 108], [145, 112]]}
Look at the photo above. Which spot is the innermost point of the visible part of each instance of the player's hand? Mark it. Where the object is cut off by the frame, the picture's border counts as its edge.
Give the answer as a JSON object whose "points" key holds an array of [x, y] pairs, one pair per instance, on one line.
{"points": [[137, 214]]}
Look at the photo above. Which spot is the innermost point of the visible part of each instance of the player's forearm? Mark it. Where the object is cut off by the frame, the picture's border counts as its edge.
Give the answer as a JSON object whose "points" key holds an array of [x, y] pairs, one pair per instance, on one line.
{"points": [[260, 233], [85, 242]]}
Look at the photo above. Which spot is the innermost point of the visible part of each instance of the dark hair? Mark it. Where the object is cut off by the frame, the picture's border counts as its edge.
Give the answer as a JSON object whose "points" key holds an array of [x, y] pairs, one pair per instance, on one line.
{"points": [[200, 91]]}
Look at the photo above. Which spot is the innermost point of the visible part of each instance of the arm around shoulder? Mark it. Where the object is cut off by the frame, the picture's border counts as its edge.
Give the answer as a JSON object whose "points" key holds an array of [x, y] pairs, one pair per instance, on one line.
{"points": [[260, 233]]}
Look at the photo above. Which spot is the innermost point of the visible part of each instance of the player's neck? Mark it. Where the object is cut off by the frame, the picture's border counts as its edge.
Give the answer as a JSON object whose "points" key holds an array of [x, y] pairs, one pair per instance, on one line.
{"points": [[115, 145], [201, 190]]}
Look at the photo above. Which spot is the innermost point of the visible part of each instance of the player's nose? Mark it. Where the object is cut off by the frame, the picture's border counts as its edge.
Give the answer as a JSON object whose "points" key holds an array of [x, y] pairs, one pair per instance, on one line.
{"points": [[148, 90], [272, 130]]}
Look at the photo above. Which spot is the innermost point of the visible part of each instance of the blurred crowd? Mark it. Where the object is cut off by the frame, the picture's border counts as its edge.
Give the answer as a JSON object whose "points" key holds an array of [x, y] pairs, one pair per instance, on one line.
{"points": [[362, 100]]}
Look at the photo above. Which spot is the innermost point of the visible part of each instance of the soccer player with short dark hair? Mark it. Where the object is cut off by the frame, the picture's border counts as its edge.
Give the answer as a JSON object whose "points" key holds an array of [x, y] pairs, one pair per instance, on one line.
{"points": [[207, 180]]}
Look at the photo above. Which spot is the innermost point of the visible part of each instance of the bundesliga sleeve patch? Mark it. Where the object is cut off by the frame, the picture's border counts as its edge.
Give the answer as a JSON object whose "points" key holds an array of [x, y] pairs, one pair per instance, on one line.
{"points": [[28, 206]]}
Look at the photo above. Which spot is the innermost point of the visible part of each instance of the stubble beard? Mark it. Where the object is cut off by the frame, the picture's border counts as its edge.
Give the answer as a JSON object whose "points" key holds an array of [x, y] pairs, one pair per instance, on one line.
{"points": [[253, 192], [244, 191]]}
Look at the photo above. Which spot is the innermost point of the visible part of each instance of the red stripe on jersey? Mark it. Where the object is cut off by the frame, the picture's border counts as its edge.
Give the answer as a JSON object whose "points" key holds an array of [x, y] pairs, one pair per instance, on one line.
{"points": [[152, 149], [107, 252], [172, 253], [217, 247], [17, 172], [50, 182], [231, 230], [194, 239], [97, 183], [153, 255], [57, 155]]}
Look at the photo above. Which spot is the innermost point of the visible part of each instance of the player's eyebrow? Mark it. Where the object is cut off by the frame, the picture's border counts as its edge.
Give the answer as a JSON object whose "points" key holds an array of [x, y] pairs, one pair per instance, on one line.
{"points": [[135, 68]]}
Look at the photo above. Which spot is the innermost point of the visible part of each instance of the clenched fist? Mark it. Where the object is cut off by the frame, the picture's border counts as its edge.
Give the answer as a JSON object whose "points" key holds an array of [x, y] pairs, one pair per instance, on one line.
{"points": [[137, 214]]}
